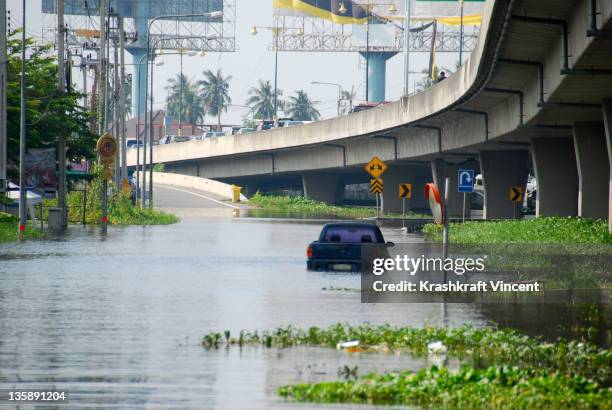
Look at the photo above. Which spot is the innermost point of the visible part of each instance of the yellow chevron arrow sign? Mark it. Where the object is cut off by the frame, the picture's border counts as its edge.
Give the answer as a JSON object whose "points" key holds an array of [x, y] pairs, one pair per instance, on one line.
{"points": [[376, 186]]}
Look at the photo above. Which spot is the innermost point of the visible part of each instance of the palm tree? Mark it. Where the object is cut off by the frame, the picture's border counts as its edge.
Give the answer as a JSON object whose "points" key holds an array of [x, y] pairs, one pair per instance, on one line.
{"points": [[301, 108], [428, 81], [347, 96], [261, 100], [190, 107], [215, 94]]}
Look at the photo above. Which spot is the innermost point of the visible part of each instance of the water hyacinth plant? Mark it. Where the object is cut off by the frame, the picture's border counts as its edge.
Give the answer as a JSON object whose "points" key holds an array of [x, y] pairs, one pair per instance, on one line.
{"points": [[487, 345]]}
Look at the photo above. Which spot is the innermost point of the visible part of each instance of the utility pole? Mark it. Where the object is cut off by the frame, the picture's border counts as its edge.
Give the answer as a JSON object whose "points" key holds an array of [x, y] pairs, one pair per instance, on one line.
{"points": [[102, 71], [116, 121], [101, 102], [23, 210], [461, 36], [61, 89], [3, 85], [122, 86]]}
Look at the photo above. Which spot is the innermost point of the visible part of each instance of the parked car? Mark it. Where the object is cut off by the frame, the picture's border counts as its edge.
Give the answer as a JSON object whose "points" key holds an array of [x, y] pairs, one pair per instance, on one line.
{"points": [[134, 143], [280, 122], [344, 246], [180, 138], [293, 123], [245, 130], [367, 105], [265, 125]]}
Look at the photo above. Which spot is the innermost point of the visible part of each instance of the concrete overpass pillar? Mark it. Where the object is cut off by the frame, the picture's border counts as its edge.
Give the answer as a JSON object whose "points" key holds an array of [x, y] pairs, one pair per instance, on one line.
{"points": [[417, 175], [326, 187], [607, 114], [554, 162], [440, 170], [593, 169], [502, 170]]}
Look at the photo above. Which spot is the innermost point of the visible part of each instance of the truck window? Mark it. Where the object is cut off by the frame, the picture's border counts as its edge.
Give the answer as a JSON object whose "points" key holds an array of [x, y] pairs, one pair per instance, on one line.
{"points": [[347, 234]]}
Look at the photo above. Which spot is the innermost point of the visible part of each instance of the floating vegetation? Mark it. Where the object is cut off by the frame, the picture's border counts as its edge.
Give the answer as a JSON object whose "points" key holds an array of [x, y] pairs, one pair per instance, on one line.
{"points": [[477, 346], [499, 387]]}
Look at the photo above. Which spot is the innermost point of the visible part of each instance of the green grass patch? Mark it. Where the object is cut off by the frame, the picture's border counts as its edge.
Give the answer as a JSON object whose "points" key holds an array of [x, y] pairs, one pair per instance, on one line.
{"points": [[476, 345], [298, 205], [9, 229], [538, 230], [495, 387]]}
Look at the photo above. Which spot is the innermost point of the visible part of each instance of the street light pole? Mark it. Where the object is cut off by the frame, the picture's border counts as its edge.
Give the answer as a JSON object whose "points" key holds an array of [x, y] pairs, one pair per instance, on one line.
{"points": [[214, 14], [22, 132], [407, 17], [180, 113], [275, 75], [340, 90], [3, 99]]}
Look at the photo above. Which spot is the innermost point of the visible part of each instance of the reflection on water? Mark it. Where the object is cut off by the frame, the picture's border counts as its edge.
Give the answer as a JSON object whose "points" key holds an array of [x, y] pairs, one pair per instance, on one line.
{"points": [[117, 318]]}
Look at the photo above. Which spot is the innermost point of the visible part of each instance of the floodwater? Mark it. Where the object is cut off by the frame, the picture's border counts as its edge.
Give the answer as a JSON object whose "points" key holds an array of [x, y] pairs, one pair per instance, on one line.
{"points": [[117, 318]]}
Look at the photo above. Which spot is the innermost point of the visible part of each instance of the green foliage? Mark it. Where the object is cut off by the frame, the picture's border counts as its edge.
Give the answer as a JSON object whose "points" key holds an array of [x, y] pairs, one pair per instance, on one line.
{"points": [[5, 200], [491, 345], [304, 206], [9, 229], [121, 211], [536, 230], [215, 94], [261, 100], [300, 206], [48, 113], [159, 168], [301, 108], [499, 387]]}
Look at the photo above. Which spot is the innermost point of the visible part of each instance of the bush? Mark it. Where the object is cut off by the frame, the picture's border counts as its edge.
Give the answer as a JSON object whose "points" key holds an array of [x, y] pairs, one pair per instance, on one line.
{"points": [[537, 230]]}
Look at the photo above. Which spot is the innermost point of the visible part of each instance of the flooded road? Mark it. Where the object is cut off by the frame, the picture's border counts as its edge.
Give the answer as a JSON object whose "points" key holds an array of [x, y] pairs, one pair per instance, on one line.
{"points": [[117, 319]]}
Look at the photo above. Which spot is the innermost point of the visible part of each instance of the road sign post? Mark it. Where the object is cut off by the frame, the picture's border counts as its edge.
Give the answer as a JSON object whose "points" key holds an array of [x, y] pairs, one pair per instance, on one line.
{"points": [[405, 191], [516, 197], [445, 218], [376, 167], [107, 150], [465, 185]]}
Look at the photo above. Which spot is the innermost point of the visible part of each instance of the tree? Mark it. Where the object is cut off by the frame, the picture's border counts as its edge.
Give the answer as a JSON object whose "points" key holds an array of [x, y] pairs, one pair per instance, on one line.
{"points": [[214, 94], [427, 80], [347, 96], [191, 108], [48, 113], [261, 100], [301, 108]]}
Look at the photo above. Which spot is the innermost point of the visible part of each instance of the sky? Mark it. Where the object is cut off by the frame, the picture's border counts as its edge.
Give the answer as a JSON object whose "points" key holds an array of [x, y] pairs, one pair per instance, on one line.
{"points": [[253, 61]]}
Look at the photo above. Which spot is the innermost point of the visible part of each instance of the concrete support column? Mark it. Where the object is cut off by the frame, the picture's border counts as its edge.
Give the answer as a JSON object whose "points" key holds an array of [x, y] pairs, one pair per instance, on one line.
{"points": [[593, 169], [326, 187], [502, 170], [440, 170], [417, 175], [607, 115], [554, 162]]}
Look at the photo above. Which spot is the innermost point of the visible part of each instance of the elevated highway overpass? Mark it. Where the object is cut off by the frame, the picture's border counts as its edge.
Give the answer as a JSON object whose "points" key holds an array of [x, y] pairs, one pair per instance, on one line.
{"points": [[534, 96]]}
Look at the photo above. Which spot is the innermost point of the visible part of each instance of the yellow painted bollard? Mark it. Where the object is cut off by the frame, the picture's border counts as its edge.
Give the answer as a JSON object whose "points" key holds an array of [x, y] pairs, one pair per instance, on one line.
{"points": [[236, 193]]}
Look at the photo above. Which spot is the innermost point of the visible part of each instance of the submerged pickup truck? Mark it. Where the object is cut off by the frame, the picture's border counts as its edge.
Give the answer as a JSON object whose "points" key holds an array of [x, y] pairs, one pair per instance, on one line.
{"points": [[346, 246]]}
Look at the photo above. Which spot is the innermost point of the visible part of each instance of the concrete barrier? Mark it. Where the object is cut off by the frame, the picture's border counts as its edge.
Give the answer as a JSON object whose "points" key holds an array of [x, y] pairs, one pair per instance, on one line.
{"points": [[200, 184]]}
